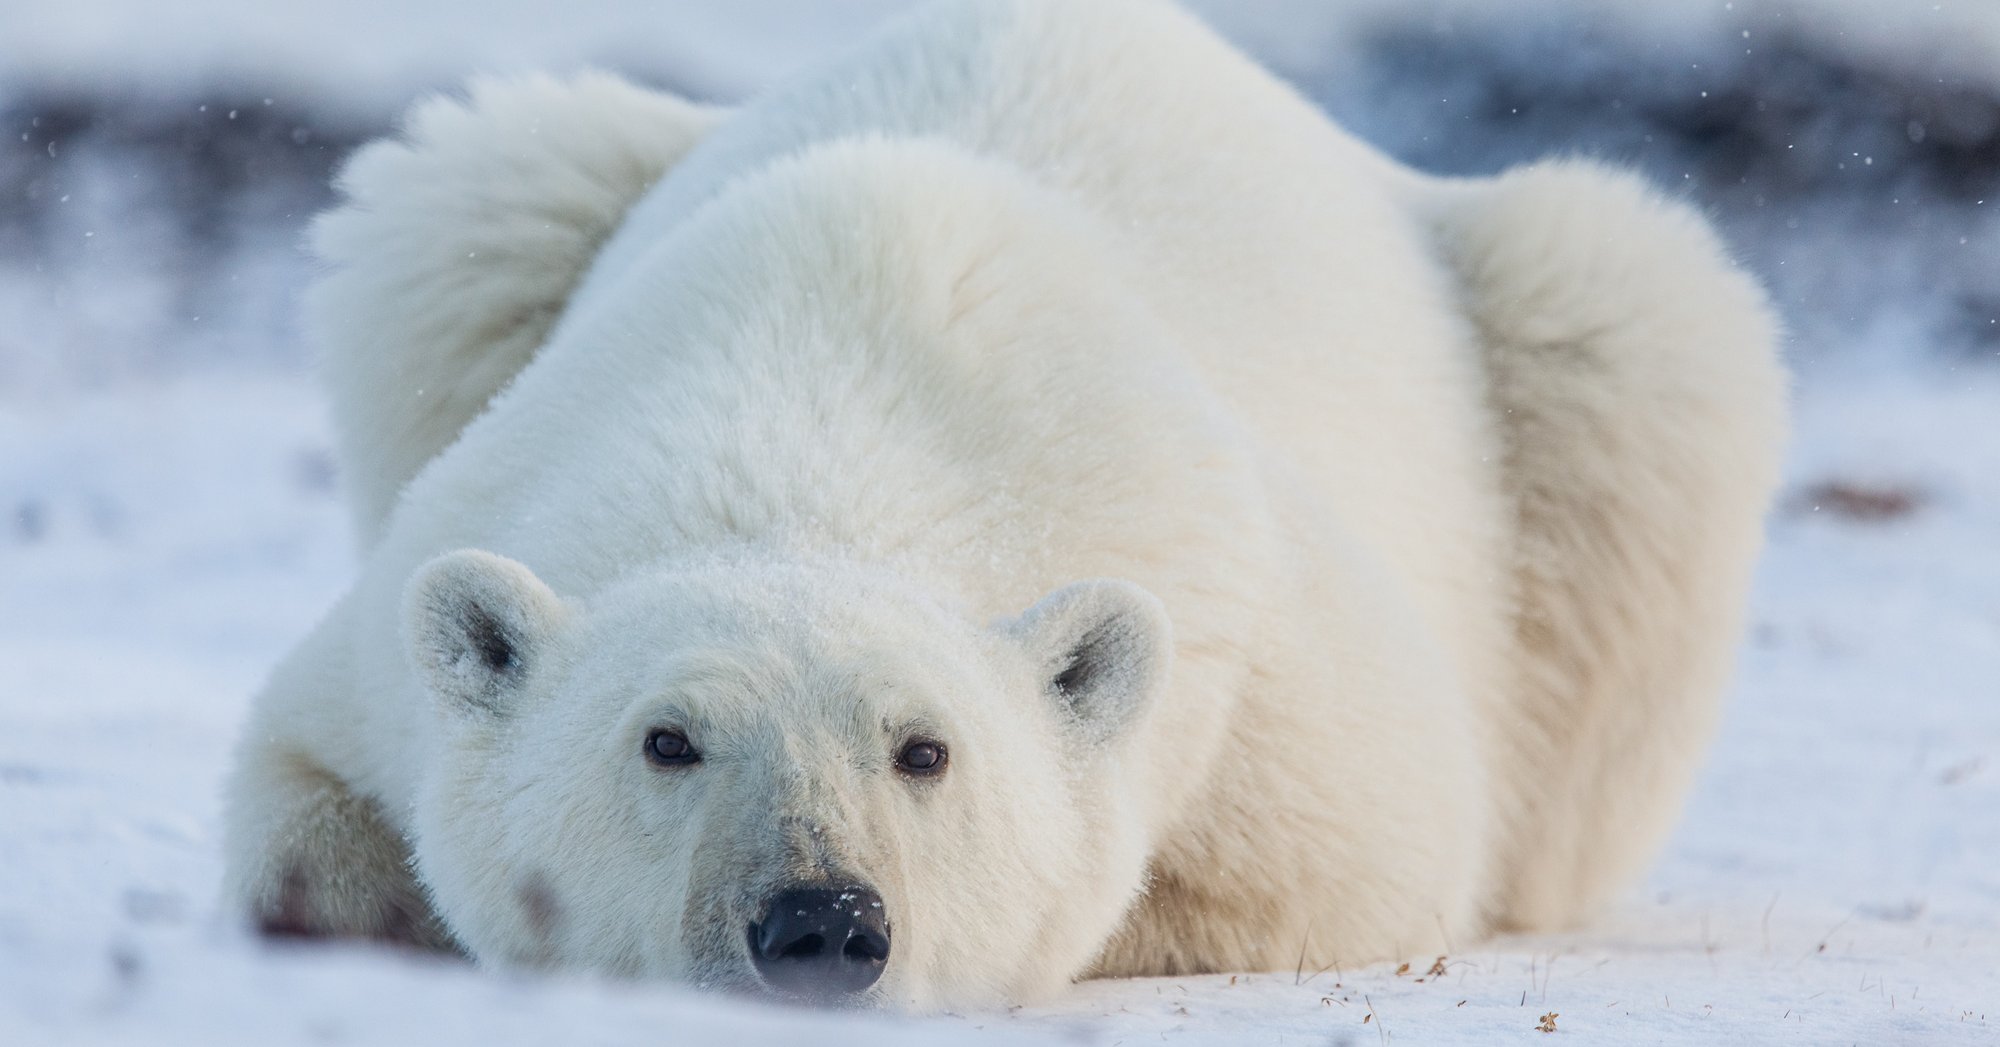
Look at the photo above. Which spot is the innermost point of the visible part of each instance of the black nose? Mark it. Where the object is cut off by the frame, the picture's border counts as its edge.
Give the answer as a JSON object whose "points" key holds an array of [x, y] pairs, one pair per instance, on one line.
{"points": [[821, 943]]}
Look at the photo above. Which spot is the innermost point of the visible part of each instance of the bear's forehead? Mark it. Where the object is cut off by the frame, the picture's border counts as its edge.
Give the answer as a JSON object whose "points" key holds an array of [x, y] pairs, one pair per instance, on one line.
{"points": [[795, 590], [809, 617], [806, 657], [778, 680]]}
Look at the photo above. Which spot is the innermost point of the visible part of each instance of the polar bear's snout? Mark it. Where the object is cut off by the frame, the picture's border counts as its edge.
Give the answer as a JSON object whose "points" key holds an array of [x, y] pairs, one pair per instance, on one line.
{"points": [[824, 944]]}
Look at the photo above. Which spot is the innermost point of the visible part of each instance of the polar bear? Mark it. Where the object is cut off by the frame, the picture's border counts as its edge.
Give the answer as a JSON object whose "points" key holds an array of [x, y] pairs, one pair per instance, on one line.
{"points": [[1030, 501]]}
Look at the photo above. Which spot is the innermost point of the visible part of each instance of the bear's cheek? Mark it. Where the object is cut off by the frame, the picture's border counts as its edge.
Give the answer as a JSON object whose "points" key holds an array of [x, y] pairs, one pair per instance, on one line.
{"points": [[977, 874], [466, 845], [567, 868], [649, 865]]}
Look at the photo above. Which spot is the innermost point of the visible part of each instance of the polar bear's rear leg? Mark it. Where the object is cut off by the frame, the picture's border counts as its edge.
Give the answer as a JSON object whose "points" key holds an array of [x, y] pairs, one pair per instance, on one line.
{"points": [[1636, 387], [307, 855], [457, 248]]}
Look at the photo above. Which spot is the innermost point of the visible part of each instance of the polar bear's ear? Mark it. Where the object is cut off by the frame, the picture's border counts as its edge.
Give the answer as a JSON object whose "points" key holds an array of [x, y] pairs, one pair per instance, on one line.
{"points": [[1104, 647], [475, 623]]}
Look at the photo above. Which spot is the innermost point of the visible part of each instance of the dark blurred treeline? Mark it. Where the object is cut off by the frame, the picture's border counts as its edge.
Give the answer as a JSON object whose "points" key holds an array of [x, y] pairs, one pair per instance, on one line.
{"points": [[1864, 192]]}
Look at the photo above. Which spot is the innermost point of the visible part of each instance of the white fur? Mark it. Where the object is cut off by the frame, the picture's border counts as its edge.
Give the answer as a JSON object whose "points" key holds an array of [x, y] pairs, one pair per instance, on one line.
{"points": [[1429, 505], [459, 247]]}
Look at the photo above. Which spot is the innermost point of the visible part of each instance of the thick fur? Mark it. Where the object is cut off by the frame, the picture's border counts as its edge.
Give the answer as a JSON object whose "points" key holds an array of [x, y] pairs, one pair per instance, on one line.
{"points": [[458, 248], [1388, 535], [1631, 370]]}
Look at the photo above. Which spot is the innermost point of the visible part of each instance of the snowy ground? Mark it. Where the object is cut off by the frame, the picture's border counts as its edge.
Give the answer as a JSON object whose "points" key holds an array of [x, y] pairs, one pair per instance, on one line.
{"points": [[169, 524]]}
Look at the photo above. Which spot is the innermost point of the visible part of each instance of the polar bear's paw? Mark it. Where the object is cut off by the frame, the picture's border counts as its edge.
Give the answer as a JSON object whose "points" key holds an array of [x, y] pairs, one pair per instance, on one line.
{"points": [[329, 866]]}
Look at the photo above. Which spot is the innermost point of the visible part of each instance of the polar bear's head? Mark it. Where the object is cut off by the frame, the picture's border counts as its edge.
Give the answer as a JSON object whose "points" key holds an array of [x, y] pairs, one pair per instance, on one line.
{"points": [[810, 779]]}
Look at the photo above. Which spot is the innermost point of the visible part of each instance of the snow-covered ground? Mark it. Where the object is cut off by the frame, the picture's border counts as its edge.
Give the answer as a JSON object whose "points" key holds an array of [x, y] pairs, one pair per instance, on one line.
{"points": [[169, 521]]}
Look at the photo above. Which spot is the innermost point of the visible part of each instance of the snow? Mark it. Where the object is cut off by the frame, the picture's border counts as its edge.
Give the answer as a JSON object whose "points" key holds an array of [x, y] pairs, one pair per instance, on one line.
{"points": [[169, 525], [1837, 874]]}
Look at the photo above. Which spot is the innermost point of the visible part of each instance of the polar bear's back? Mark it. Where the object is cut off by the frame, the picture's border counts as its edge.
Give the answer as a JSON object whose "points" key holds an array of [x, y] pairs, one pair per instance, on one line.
{"points": [[1274, 243], [1277, 248], [1269, 241]]}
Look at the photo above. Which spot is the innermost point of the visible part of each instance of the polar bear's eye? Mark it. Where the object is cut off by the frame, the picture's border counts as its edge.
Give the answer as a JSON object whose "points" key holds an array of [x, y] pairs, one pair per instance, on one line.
{"points": [[921, 757], [670, 749]]}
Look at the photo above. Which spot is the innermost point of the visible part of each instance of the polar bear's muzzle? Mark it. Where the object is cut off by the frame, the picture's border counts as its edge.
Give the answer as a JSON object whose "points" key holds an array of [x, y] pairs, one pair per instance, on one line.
{"points": [[821, 944]]}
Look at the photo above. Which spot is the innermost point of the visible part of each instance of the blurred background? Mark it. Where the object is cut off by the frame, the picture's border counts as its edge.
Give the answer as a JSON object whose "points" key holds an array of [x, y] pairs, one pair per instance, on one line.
{"points": [[170, 523], [160, 158]]}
